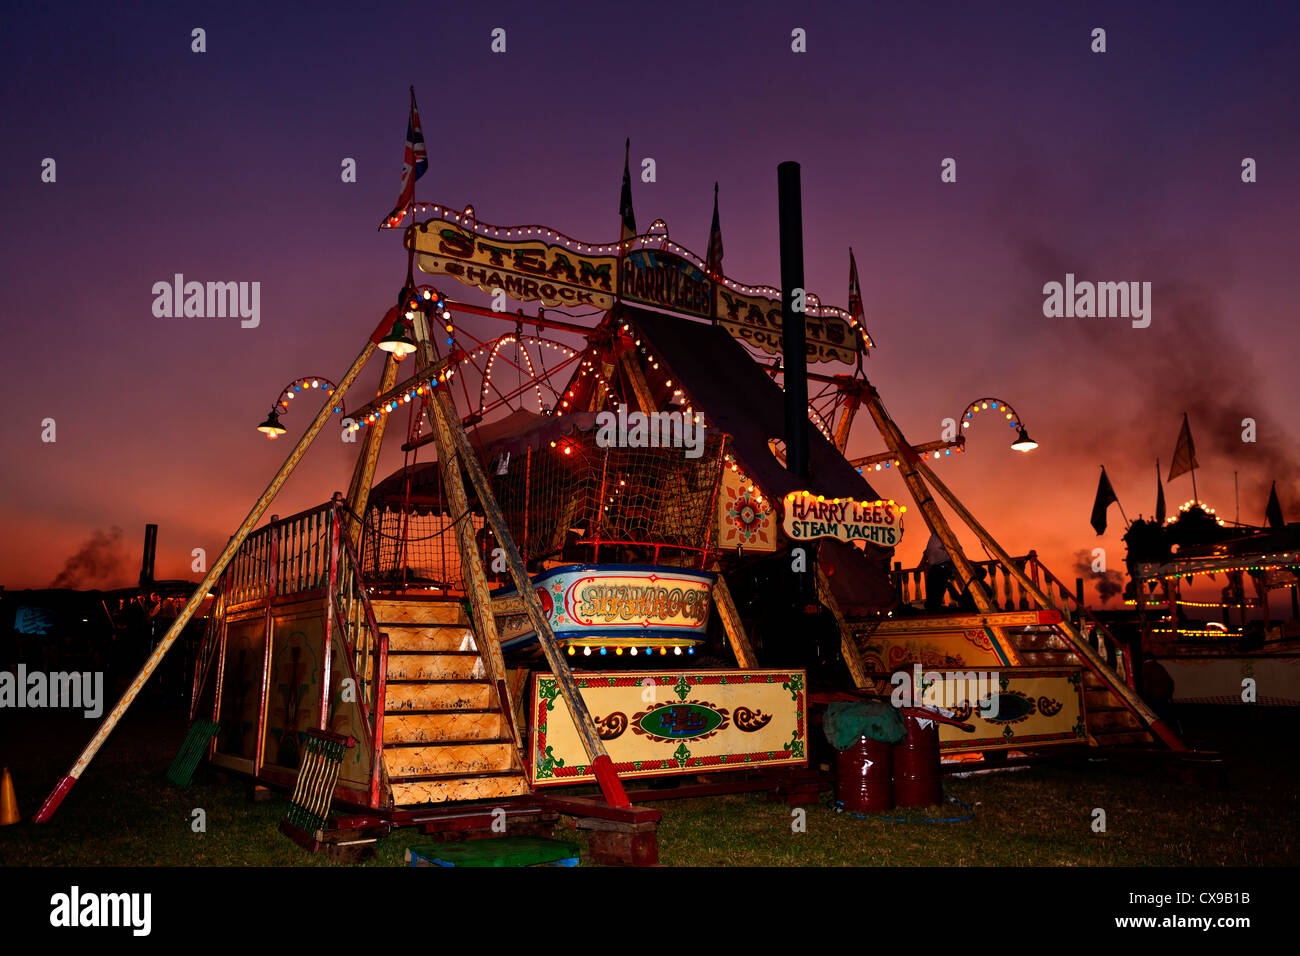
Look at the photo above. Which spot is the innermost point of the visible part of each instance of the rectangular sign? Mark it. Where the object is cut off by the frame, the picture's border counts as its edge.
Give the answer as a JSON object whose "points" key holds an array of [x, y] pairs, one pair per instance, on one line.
{"points": [[528, 270], [678, 723], [536, 264], [809, 516]]}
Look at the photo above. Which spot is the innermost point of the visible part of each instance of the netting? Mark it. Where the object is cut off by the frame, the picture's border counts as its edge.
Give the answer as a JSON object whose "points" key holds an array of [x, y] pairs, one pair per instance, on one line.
{"points": [[415, 549], [576, 501]]}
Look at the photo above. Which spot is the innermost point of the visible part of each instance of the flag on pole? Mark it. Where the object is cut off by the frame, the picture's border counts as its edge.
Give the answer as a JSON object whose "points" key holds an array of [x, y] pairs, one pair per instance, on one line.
{"points": [[1105, 498], [1160, 496], [714, 257], [1273, 513], [1184, 453], [625, 198], [856, 312], [415, 163]]}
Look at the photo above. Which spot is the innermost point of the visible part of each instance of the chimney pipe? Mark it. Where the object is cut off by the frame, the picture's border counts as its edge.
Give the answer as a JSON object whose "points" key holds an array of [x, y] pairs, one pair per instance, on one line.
{"points": [[793, 331], [146, 561]]}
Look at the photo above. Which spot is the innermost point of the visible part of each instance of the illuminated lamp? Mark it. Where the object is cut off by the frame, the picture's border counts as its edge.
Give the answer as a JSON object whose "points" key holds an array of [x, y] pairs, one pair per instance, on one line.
{"points": [[396, 341], [1023, 442], [271, 428]]}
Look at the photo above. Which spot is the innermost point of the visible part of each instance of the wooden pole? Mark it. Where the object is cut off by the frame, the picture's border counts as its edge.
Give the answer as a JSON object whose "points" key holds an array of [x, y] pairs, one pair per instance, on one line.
{"points": [[852, 658], [201, 590], [731, 623], [908, 464], [601, 765], [1081, 645], [363, 475], [471, 562]]}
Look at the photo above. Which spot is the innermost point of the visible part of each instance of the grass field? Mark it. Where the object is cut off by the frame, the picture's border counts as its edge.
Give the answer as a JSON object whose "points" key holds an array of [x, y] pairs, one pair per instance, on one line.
{"points": [[124, 812]]}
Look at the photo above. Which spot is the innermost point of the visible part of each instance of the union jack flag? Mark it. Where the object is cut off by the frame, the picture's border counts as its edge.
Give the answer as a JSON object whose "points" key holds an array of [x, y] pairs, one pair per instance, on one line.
{"points": [[415, 163], [714, 257]]}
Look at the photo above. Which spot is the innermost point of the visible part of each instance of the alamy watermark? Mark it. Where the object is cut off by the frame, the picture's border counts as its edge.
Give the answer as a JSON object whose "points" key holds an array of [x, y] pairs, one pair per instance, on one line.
{"points": [[624, 429], [946, 689], [1102, 300], [211, 300], [82, 690]]}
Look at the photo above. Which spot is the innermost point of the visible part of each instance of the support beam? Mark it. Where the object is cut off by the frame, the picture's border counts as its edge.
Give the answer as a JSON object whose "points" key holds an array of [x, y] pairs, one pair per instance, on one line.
{"points": [[64, 785], [1081, 645], [908, 463], [471, 562], [602, 766], [731, 623], [363, 475], [636, 379], [848, 647]]}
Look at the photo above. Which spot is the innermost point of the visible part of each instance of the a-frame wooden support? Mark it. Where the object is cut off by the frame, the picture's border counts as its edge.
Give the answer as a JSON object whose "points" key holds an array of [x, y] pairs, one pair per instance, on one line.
{"points": [[114, 716], [455, 451]]}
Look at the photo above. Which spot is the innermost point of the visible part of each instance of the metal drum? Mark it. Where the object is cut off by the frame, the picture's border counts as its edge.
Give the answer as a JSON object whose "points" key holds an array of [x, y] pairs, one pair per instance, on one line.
{"points": [[916, 764], [862, 777]]}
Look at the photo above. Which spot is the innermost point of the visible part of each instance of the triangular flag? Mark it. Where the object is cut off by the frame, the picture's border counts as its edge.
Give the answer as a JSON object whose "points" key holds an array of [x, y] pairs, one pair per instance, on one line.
{"points": [[1273, 513], [856, 311], [714, 256], [1105, 498], [1160, 496], [1184, 453], [415, 163], [628, 217]]}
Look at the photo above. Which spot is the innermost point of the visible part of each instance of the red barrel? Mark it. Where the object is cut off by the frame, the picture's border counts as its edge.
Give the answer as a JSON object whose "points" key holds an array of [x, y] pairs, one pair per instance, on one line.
{"points": [[916, 764], [862, 777]]}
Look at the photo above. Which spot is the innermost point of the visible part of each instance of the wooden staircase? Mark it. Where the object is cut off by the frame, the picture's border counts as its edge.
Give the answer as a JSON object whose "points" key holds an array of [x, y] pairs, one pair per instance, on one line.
{"points": [[1109, 720], [446, 737]]}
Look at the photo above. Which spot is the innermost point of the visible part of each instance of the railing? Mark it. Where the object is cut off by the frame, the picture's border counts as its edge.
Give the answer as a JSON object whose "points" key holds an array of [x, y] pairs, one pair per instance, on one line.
{"points": [[312, 552], [1006, 594], [1108, 647], [287, 556]]}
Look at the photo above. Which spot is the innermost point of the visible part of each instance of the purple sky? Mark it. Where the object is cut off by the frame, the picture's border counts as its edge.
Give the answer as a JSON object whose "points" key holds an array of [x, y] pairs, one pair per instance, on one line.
{"points": [[225, 165]]}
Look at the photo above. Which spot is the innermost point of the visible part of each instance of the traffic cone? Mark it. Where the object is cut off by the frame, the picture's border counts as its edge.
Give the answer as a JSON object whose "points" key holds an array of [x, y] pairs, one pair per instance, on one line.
{"points": [[8, 800]]}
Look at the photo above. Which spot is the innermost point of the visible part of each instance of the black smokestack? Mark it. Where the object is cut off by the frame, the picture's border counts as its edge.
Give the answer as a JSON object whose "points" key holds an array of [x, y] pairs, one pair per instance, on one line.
{"points": [[793, 335], [1109, 583], [146, 560]]}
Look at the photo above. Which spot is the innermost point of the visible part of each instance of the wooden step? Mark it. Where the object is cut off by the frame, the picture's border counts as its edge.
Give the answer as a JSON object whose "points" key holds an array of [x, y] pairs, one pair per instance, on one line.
{"points": [[402, 728], [429, 666], [419, 612], [425, 637], [449, 760], [1048, 658], [406, 793], [437, 695]]}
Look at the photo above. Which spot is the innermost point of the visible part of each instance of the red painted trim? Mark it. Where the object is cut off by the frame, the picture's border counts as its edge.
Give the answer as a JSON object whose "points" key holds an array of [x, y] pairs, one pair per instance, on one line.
{"points": [[1165, 733], [381, 688], [385, 326], [54, 799], [611, 787]]}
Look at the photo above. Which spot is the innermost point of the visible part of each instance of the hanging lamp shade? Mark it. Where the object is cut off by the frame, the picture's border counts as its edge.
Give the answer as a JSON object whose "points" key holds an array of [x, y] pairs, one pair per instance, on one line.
{"points": [[1023, 442], [271, 428]]}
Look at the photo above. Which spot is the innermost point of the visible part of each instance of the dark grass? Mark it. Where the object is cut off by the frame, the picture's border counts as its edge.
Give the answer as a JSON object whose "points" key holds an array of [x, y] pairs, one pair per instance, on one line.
{"points": [[124, 812]]}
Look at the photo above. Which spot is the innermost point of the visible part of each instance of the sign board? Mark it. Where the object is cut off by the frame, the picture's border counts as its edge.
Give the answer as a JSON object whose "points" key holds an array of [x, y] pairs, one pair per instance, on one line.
{"points": [[658, 723], [619, 605], [537, 264], [808, 516]]}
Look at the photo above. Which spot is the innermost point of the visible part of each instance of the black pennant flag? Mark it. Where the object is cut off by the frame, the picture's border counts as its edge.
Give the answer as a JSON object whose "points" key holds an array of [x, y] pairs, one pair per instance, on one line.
{"points": [[1273, 513], [1105, 498]]}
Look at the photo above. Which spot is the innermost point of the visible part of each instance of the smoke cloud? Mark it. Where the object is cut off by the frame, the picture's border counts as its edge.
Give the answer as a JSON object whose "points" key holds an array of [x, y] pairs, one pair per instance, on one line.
{"points": [[1108, 583], [99, 561]]}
